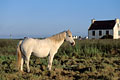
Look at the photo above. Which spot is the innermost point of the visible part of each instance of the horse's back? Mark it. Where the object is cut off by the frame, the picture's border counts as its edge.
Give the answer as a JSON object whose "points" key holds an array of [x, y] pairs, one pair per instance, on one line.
{"points": [[28, 41]]}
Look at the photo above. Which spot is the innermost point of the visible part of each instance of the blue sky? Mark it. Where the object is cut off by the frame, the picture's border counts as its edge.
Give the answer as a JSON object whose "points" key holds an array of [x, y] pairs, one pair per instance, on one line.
{"points": [[48, 17]]}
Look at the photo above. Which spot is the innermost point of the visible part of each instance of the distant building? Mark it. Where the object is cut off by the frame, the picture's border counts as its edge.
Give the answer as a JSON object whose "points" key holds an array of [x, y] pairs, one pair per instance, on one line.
{"points": [[75, 37], [103, 29], [10, 36]]}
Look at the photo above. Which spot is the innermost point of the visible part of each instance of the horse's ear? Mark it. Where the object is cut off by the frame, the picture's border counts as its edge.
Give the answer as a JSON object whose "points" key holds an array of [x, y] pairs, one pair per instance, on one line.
{"points": [[68, 30]]}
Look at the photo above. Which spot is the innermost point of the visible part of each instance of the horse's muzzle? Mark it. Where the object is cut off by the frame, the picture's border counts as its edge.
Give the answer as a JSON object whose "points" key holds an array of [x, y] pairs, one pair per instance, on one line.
{"points": [[73, 43]]}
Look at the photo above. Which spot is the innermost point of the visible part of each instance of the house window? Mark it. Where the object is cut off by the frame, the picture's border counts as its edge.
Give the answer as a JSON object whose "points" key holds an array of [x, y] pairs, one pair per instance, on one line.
{"points": [[118, 33], [93, 33], [100, 33], [107, 32]]}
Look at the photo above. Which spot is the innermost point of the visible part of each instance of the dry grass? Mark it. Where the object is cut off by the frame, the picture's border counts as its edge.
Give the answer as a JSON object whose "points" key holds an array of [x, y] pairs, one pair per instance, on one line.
{"points": [[88, 60]]}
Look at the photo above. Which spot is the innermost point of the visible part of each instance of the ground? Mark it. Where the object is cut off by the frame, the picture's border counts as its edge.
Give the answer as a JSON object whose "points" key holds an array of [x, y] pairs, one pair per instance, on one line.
{"points": [[87, 60]]}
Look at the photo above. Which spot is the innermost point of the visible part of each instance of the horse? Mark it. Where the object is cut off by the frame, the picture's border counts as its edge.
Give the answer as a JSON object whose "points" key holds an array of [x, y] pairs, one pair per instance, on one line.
{"points": [[41, 48]]}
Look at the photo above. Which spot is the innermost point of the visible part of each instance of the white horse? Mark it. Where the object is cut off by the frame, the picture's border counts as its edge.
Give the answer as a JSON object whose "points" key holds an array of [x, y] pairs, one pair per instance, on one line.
{"points": [[41, 48]]}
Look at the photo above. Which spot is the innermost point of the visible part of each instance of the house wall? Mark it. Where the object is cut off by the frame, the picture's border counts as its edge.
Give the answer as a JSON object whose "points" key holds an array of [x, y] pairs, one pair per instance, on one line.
{"points": [[115, 31], [90, 36]]}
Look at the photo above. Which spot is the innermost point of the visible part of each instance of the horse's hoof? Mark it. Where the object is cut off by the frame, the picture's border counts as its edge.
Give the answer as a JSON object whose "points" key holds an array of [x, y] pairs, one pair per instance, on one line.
{"points": [[28, 71], [21, 71], [48, 69]]}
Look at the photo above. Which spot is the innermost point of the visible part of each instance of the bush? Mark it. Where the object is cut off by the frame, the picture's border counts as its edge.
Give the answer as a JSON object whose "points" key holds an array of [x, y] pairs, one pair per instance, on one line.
{"points": [[90, 48]]}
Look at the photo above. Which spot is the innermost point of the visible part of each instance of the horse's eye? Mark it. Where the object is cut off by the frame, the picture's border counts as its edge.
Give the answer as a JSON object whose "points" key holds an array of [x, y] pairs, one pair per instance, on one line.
{"points": [[69, 36]]}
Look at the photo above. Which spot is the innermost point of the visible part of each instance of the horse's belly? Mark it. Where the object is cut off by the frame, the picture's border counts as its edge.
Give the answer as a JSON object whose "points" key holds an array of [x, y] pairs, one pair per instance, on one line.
{"points": [[41, 52]]}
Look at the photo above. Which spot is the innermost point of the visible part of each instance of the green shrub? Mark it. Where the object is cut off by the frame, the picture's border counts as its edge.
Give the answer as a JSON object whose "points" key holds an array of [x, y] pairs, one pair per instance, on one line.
{"points": [[101, 47]]}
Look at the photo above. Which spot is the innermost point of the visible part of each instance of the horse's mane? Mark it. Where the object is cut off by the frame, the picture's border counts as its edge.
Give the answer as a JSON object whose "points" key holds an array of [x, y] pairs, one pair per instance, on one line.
{"points": [[58, 37]]}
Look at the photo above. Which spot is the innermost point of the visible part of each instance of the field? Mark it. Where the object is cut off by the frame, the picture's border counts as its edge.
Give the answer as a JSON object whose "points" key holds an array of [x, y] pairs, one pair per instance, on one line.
{"points": [[87, 60]]}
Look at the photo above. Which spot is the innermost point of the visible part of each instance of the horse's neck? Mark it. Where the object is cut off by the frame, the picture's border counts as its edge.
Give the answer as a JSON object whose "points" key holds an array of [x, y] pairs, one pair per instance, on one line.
{"points": [[58, 39], [60, 43]]}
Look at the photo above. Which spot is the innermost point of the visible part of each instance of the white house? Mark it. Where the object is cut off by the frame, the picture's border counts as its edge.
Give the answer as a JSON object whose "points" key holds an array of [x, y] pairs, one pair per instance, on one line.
{"points": [[100, 29], [75, 37]]}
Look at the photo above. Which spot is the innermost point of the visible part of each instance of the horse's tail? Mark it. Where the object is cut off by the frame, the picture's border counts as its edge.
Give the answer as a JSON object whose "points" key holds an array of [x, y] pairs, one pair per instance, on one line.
{"points": [[19, 54]]}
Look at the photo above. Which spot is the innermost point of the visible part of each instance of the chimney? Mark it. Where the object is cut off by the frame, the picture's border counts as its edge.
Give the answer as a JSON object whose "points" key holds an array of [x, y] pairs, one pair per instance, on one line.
{"points": [[93, 20], [117, 20]]}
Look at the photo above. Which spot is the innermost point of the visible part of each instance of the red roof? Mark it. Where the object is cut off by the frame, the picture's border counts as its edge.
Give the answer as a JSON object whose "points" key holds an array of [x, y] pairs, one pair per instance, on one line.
{"points": [[101, 25]]}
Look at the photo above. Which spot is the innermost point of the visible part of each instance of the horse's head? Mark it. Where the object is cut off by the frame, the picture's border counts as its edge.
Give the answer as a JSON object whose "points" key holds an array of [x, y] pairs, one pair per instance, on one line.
{"points": [[69, 38]]}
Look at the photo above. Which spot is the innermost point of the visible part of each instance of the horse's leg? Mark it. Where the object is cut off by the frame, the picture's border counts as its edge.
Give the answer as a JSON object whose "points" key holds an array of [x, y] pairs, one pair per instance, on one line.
{"points": [[50, 60], [22, 61], [27, 62]]}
